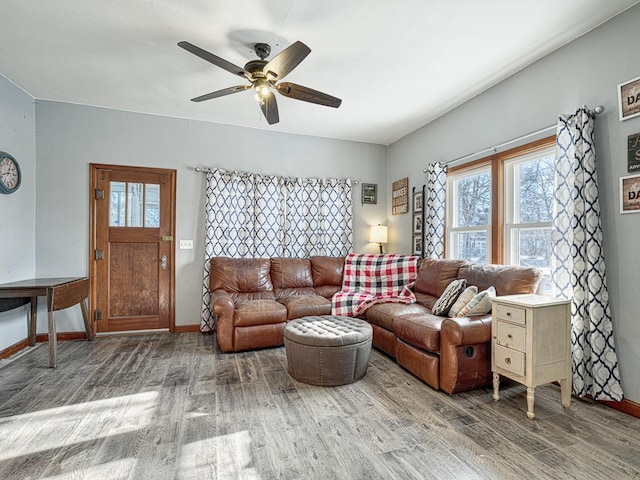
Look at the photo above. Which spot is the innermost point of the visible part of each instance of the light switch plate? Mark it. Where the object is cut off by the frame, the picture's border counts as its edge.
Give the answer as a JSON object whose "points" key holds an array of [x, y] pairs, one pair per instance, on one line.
{"points": [[186, 244]]}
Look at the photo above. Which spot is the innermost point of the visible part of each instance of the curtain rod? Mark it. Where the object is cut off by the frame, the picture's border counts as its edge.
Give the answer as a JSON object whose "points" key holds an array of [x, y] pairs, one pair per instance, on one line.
{"points": [[596, 111], [208, 170]]}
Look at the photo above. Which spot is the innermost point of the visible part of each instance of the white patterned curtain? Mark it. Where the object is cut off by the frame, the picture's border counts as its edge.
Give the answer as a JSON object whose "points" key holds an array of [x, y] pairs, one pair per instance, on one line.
{"points": [[578, 269], [434, 200], [318, 217], [249, 215]]}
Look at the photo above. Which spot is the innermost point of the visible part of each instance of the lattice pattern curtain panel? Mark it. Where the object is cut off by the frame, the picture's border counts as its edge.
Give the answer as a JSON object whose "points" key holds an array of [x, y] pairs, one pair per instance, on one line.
{"points": [[434, 200], [318, 217], [249, 215], [578, 268]]}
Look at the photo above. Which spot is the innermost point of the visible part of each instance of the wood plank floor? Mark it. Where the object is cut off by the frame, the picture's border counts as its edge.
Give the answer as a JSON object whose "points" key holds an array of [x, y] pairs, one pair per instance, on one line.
{"points": [[173, 406]]}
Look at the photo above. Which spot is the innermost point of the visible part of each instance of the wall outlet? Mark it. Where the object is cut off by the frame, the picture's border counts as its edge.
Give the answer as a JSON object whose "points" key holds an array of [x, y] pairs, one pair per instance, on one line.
{"points": [[186, 244]]}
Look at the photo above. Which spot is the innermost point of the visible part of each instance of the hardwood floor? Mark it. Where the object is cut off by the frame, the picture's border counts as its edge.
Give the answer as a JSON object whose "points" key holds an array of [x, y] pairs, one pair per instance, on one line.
{"points": [[172, 406]]}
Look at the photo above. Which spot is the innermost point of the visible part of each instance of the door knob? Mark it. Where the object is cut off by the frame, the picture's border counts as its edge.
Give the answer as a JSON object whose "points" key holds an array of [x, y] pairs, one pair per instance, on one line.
{"points": [[163, 262]]}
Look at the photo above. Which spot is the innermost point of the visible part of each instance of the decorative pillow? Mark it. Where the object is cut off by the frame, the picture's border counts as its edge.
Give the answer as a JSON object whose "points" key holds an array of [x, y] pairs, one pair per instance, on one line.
{"points": [[464, 298], [480, 304], [448, 297]]}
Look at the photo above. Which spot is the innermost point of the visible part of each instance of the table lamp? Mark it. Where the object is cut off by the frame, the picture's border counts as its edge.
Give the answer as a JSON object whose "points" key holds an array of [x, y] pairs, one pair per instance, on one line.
{"points": [[378, 234]]}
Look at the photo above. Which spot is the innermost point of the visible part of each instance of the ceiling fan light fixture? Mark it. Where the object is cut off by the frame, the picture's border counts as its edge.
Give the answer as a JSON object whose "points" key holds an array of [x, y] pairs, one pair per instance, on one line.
{"points": [[261, 87]]}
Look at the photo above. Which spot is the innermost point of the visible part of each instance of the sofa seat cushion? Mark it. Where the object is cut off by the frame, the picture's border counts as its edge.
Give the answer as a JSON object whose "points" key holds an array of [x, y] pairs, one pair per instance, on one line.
{"points": [[382, 314], [259, 312], [419, 330], [306, 305]]}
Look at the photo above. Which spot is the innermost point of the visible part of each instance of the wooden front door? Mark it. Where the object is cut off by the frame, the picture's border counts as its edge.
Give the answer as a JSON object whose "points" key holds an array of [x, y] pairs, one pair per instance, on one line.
{"points": [[132, 254]]}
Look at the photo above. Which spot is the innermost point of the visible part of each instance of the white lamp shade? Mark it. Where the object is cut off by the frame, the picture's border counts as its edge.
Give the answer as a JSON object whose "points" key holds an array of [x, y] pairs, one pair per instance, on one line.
{"points": [[378, 234]]}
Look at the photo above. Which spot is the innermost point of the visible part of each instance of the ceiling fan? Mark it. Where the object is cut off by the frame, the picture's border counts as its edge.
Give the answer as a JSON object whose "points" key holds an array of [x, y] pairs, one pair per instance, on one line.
{"points": [[265, 76]]}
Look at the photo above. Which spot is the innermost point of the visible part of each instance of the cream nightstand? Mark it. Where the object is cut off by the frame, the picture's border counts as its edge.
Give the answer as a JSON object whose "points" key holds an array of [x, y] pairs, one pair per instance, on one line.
{"points": [[531, 343]]}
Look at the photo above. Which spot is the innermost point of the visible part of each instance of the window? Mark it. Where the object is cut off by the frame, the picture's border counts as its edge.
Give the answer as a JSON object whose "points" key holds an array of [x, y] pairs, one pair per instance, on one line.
{"points": [[134, 205], [469, 207], [499, 208], [528, 185]]}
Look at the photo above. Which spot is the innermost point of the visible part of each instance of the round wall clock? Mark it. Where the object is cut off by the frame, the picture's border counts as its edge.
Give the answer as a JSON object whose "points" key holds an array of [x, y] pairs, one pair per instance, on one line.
{"points": [[10, 175]]}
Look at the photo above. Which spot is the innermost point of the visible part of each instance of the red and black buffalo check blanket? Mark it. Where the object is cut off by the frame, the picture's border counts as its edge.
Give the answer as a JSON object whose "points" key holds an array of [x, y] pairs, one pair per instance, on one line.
{"points": [[370, 279]]}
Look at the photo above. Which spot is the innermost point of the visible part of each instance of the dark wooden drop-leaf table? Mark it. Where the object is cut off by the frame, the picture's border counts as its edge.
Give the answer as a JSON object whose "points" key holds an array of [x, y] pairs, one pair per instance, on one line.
{"points": [[61, 293]]}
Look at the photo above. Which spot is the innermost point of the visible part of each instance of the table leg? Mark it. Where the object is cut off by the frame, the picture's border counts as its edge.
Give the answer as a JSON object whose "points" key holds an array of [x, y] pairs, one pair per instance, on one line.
{"points": [[85, 317], [53, 340], [565, 391], [496, 386], [33, 321], [531, 392]]}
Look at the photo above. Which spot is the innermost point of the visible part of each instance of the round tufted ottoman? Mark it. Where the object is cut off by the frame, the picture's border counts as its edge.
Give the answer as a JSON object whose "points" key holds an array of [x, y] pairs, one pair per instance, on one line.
{"points": [[327, 350]]}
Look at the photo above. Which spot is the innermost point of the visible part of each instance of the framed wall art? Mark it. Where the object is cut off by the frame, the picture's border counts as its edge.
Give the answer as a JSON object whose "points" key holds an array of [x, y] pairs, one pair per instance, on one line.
{"points": [[369, 194], [629, 99], [417, 223], [633, 153], [417, 201], [400, 196], [417, 245], [630, 194]]}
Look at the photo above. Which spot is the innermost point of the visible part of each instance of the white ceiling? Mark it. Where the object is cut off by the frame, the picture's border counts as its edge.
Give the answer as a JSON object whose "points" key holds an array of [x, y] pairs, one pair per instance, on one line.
{"points": [[396, 65]]}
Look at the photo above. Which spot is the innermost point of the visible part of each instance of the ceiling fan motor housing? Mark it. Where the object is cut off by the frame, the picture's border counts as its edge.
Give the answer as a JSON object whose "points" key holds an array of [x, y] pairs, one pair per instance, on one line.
{"points": [[262, 50]]}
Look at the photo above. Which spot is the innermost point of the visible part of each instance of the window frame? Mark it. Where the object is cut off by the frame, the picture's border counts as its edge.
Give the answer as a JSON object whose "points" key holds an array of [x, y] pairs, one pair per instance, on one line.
{"points": [[452, 202], [496, 164]]}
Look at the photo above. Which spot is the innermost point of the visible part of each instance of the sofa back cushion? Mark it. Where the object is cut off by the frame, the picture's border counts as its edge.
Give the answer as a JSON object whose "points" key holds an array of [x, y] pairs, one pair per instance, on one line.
{"points": [[327, 274], [507, 279], [242, 278], [434, 275], [291, 276]]}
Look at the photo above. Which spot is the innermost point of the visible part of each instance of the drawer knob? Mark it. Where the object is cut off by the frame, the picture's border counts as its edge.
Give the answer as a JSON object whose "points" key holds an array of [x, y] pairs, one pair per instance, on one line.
{"points": [[508, 314], [509, 336], [507, 360]]}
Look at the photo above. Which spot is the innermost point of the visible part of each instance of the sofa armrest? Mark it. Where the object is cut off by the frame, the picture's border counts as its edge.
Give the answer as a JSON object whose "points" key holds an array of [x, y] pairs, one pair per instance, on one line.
{"points": [[467, 330], [224, 307], [465, 353]]}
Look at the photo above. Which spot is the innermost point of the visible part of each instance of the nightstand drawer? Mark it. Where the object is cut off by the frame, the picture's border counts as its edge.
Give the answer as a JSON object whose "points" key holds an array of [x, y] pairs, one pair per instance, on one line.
{"points": [[510, 336], [509, 359], [510, 314]]}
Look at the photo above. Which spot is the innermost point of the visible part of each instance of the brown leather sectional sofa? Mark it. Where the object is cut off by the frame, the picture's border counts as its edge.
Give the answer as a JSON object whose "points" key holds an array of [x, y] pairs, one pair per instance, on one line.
{"points": [[254, 298]]}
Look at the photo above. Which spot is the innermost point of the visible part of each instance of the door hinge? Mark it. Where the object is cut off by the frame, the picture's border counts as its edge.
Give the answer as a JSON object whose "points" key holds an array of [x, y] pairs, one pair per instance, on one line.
{"points": [[99, 194], [97, 315], [98, 255]]}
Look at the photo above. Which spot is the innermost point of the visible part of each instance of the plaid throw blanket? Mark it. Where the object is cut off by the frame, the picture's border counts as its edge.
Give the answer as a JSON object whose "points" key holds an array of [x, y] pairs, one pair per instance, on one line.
{"points": [[371, 279]]}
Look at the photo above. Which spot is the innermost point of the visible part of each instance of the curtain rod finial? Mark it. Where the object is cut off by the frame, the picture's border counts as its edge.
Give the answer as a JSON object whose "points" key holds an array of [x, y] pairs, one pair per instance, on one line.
{"points": [[598, 109]]}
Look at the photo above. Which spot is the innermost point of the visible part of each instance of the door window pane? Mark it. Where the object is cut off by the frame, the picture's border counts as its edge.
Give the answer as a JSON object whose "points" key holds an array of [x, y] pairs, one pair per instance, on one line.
{"points": [[117, 206], [134, 204], [152, 205]]}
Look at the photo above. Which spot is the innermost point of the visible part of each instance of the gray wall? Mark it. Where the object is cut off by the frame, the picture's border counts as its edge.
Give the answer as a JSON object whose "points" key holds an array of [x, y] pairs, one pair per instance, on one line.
{"points": [[69, 137], [18, 210], [586, 71]]}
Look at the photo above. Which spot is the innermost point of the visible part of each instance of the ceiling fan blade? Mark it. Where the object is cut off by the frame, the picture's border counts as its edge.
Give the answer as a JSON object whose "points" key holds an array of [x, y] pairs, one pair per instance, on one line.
{"points": [[221, 93], [270, 108], [306, 94], [217, 61], [288, 59]]}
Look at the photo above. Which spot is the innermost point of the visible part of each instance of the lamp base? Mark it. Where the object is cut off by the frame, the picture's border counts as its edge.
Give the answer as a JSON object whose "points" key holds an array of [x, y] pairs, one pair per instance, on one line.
{"points": [[380, 244]]}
